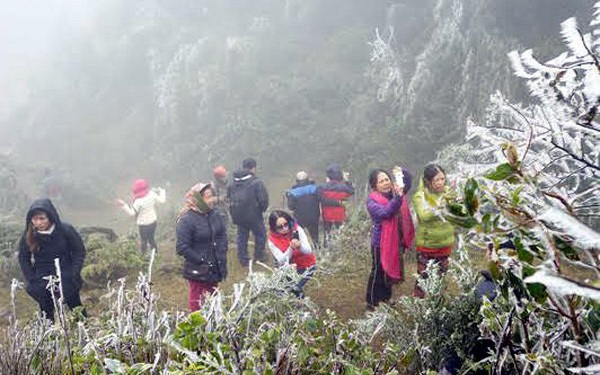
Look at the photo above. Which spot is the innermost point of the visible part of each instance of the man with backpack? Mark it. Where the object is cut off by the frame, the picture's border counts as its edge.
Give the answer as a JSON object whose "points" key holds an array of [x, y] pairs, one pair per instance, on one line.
{"points": [[303, 199], [248, 200]]}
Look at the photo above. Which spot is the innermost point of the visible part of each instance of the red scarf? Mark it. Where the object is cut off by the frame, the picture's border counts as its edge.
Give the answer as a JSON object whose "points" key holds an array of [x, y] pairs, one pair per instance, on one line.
{"points": [[391, 260], [408, 228], [282, 242]]}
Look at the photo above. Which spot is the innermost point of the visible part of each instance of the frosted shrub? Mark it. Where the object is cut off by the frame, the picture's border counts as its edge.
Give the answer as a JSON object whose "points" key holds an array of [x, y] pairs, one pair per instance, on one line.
{"points": [[428, 332]]}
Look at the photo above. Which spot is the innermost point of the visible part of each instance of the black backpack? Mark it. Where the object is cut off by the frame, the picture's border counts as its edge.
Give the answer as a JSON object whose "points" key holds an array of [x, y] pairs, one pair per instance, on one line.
{"points": [[242, 203]]}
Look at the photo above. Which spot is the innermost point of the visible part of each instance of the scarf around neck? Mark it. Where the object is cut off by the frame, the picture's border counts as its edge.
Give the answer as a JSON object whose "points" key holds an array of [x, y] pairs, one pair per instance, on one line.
{"points": [[194, 202], [282, 241], [390, 256]]}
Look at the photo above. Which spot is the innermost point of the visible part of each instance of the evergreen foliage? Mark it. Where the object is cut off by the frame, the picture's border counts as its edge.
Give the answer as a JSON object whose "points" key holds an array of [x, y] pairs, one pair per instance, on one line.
{"points": [[204, 83], [107, 260], [526, 180]]}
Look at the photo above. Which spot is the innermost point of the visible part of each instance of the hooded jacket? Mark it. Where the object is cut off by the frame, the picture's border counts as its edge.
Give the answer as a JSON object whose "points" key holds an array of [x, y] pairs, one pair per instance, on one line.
{"points": [[63, 243], [249, 210], [202, 241]]}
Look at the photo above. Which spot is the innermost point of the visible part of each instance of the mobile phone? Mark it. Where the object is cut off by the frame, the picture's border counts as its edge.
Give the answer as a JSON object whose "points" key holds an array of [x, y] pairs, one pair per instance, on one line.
{"points": [[398, 176]]}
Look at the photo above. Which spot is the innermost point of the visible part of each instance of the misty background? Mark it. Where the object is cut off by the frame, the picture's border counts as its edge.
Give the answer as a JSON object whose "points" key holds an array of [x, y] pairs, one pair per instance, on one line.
{"points": [[103, 92]]}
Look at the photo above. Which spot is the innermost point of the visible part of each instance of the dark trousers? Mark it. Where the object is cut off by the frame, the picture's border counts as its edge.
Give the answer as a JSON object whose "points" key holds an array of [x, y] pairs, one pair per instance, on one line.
{"points": [[378, 287], [313, 230], [37, 290], [147, 236], [329, 226], [260, 239], [422, 260]]}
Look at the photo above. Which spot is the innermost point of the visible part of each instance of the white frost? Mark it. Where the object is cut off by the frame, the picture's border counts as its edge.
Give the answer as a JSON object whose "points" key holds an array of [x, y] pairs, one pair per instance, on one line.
{"points": [[561, 286], [583, 236]]}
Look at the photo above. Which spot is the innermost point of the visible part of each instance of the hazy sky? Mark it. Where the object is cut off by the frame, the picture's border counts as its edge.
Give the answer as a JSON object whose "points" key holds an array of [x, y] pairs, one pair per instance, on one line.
{"points": [[29, 30]]}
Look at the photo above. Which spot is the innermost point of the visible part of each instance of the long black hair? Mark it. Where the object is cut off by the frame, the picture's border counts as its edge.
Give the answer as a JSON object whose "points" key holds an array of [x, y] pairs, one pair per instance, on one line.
{"points": [[276, 214]]}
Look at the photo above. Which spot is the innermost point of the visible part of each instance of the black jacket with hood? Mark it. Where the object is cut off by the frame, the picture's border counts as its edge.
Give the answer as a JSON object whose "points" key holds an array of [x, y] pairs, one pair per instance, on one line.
{"points": [[258, 202], [202, 241], [63, 243]]}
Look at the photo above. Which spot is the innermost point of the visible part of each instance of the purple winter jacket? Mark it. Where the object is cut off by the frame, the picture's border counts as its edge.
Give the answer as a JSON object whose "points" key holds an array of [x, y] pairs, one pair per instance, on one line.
{"points": [[379, 213]]}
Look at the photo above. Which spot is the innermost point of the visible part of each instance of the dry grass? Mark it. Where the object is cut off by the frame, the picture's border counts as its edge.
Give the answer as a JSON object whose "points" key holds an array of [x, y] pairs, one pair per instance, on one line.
{"points": [[342, 291]]}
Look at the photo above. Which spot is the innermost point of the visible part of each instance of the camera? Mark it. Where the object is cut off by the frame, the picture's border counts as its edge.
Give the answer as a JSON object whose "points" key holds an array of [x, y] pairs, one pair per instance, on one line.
{"points": [[295, 235]]}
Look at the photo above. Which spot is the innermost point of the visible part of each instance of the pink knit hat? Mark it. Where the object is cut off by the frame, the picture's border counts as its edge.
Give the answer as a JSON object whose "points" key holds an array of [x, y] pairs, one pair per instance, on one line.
{"points": [[140, 188]]}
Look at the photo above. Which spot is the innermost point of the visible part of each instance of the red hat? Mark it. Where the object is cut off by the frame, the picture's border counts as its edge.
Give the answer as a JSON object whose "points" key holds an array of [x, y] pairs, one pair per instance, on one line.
{"points": [[220, 171], [140, 188]]}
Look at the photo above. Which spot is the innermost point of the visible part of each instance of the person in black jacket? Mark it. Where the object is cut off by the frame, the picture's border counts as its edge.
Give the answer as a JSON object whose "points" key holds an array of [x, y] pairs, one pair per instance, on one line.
{"points": [[248, 200], [303, 199], [202, 242], [46, 238]]}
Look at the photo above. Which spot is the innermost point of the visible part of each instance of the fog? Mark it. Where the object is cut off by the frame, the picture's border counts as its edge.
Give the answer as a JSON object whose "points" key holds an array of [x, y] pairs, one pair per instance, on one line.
{"points": [[30, 32], [106, 91]]}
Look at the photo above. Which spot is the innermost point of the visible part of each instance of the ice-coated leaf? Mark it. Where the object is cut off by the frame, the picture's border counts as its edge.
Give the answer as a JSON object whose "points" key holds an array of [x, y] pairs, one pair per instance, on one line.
{"points": [[593, 369], [114, 366], [563, 286], [517, 64], [572, 37], [563, 222]]}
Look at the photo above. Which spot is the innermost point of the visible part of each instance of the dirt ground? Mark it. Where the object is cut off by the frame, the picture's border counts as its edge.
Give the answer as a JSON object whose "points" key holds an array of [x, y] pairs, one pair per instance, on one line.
{"points": [[342, 291]]}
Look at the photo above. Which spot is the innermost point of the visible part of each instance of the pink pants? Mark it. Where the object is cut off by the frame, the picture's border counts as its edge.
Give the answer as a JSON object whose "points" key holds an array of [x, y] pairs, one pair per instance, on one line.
{"points": [[198, 292]]}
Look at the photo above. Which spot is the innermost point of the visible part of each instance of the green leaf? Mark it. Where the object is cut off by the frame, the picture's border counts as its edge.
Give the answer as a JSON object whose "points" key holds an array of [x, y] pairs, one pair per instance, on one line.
{"points": [[537, 291], [139, 369], [463, 222], [522, 254], [516, 195], [456, 209], [568, 251], [303, 354], [486, 222], [350, 370], [528, 270], [502, 172], [471, 200]]}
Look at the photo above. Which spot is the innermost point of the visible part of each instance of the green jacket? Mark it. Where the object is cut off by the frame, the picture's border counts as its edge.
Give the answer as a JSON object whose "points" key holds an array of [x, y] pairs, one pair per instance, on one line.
{"points": [[432, 231]]}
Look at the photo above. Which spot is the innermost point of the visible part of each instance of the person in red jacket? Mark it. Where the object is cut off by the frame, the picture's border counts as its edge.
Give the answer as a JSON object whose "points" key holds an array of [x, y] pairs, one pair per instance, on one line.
{"points": [[333, 194], [289, 244]]}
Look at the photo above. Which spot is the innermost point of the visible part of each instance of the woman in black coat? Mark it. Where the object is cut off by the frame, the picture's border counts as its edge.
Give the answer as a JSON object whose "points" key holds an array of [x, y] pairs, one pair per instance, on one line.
{"points": [[202, 241], [46, 238]]}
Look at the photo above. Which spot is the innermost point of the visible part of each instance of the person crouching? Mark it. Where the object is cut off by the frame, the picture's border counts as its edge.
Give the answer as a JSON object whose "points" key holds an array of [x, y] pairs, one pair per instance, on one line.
{"points": [[290, 245]]}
